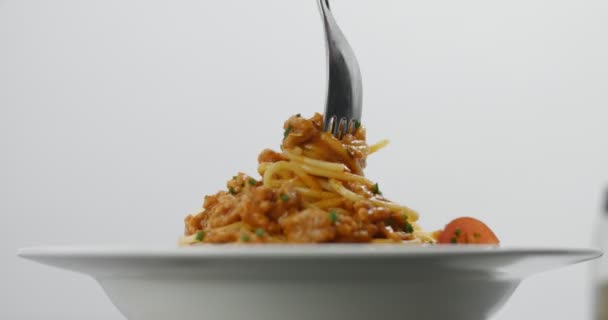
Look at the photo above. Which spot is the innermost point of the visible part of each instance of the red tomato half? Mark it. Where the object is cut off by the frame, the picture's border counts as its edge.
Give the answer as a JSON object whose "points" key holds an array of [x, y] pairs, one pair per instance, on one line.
{"points": [[467, 230]]}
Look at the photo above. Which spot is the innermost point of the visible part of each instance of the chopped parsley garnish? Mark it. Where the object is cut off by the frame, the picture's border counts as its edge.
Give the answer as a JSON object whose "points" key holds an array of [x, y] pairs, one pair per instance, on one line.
{"points": [[376, 189], [284, 198], [476, 235], [457, 232], [298, 115], [408, 228], [200, 236], [453, 240], [287, 131], [233, 177], [259, 232], [231, 191], [252, 182], [357, 124], [333, 216], [389, 221], [245, 237]]}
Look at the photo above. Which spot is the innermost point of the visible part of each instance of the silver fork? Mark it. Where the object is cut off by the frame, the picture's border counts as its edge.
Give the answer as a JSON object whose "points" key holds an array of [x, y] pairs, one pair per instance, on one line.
{"points": [[344, 93]]}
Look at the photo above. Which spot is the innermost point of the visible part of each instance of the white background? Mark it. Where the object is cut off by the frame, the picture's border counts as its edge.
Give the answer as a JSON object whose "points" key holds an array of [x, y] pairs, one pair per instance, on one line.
{"points": [[116, 117]]}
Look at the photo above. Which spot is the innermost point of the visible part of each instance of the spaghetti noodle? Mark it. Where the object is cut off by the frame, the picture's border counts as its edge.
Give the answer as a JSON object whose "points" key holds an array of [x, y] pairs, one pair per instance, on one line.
{"points": [[313, 191]]}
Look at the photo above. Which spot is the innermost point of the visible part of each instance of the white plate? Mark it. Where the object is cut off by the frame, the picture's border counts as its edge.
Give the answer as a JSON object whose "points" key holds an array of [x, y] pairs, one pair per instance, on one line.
{"points": [[273, 282]]}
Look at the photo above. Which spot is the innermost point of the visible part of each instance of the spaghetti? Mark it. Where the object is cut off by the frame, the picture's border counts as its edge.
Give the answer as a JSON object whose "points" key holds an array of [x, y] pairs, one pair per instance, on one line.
{"points": [[313, 191]]}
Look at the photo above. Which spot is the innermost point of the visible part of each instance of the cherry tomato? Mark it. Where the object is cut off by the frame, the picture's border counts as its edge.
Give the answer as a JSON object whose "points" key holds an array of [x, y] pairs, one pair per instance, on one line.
{"points": [[467, 230]]}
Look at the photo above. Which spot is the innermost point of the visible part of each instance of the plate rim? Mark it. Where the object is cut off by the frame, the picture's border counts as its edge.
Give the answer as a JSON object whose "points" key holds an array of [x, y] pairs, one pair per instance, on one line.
{"points": [[304, 251]]}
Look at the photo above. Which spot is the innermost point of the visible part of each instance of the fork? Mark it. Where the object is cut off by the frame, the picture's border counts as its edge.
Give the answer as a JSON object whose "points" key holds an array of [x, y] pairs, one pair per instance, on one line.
{"points": [[344, 93]]}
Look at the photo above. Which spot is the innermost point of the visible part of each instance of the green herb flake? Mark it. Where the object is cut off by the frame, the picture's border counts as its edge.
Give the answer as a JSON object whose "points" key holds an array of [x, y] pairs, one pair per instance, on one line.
{"points": [[453, 240], [476, 235], [200, 236], [389, 221], [245, 237], [287, 131], [284, 198], [357, 124], [260, 232], [298, 115], [376, 189], [252, 182], [457, 232], [231, 191], [233, 177], [408, 228], [333, 216]]}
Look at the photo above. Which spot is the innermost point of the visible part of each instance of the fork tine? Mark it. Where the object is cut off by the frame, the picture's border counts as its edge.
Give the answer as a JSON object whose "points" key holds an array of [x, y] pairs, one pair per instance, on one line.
{"points": [[352, 126], [330, 124], [342, 128]]}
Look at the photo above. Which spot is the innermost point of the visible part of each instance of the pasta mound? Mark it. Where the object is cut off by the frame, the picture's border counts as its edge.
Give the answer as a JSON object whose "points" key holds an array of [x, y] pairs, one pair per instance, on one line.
{"points": [[313, 191]]}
